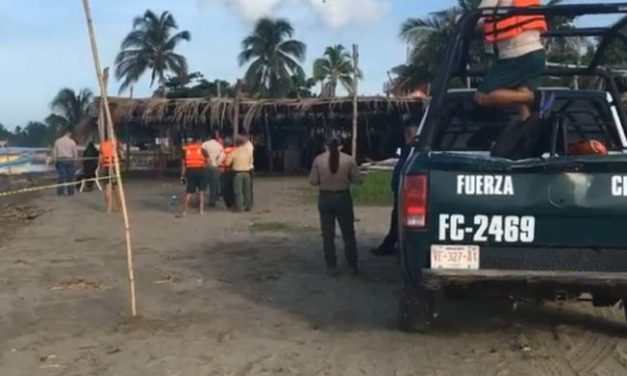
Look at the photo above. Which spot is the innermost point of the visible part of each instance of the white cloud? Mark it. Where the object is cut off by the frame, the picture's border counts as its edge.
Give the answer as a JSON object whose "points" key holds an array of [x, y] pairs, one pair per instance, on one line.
{"points": [[333, 13]]}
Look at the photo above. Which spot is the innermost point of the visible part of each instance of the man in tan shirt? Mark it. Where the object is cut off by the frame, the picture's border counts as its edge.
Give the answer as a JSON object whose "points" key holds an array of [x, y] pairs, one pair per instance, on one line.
{"points": [[240, 161]]}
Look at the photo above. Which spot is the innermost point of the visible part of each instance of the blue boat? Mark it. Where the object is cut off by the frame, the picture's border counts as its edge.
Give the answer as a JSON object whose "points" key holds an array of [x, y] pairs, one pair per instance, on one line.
{"points": [[14, 163]]}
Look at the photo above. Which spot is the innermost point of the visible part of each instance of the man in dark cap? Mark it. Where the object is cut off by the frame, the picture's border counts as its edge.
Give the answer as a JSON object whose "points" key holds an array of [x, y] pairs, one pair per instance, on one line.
{"points": [[388, 247]]}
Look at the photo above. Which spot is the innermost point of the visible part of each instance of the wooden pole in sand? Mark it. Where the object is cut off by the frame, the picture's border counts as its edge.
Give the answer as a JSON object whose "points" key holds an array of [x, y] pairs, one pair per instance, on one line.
{"points": [[110, 128], [355, 102], [236, 104]]}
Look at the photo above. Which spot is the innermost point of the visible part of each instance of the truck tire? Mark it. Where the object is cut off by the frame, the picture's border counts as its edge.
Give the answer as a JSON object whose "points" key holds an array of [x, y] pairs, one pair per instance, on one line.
{"points": [[415, 309]]}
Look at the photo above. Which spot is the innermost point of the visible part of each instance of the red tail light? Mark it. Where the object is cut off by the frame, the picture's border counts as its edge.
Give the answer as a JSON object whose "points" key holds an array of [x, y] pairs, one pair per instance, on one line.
{"points": [[415, 189]]}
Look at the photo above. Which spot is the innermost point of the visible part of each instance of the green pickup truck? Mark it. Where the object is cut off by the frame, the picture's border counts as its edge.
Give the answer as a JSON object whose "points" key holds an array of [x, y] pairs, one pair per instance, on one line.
{"points": [[549, 228]]}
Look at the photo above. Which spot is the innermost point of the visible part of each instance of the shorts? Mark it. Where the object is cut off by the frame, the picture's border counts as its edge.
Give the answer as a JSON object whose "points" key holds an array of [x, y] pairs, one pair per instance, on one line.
{"points": [[104, 176], [196, 180], [523, 71]]}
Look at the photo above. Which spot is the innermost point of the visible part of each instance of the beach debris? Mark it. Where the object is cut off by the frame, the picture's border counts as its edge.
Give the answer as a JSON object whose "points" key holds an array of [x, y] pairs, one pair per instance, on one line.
{"points": [[20, 213], [112, 350], [169, 278], [45, 358], [78, 283]]}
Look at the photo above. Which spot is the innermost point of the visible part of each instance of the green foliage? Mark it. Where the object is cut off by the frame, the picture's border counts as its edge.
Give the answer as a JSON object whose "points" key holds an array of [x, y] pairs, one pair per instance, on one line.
{"points": [[151, 46], [196, 86], [4, 133], [273, 57], [34, 134], [375, 190], [301, 87], [68, 109], [336, 67]]}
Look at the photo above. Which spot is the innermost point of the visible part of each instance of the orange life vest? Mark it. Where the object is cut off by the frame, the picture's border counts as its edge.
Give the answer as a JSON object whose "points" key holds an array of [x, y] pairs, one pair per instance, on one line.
{"points": [[227, 151], [108, 154], [194, 157], [587, 147], [498, 29]]}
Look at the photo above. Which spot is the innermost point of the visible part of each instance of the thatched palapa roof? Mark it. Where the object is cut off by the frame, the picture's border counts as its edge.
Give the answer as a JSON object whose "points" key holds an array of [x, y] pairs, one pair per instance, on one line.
{"points": [[219, 111]]}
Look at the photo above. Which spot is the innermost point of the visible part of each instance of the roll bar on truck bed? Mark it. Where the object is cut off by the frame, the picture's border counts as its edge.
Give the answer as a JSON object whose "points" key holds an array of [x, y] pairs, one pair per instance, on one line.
{"points": [[455, 64]]}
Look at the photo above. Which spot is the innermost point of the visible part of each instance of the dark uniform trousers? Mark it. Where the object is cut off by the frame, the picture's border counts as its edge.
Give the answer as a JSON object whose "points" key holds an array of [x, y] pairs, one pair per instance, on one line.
{"points": [[337, 206], [389, 243]]}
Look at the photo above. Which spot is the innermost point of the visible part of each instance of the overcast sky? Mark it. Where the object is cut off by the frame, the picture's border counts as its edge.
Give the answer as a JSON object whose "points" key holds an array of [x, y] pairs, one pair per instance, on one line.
{"points": [[44, 44]]}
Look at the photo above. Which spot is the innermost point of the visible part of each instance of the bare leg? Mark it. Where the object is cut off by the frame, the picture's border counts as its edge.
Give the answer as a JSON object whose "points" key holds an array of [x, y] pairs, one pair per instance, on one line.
{"points": [[118, 199], [504, 97], [107, 197], [524, 112], [202, 202], [186, 200]]}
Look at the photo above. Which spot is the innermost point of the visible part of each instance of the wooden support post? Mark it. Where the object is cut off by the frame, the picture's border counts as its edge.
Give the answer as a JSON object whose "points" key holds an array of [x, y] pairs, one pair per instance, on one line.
{"points": [[236, 104], [110, 129], [355, 97], [128, 138]]}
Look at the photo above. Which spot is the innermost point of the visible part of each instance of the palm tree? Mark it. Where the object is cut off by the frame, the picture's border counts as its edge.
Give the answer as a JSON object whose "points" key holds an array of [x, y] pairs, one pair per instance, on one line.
{"points": [[150, 46], [273, 57], [335, 67], [69, 108]]}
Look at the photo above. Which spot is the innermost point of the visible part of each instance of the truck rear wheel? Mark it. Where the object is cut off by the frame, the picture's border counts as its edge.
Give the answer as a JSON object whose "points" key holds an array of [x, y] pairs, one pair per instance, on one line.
{"points": [[415, 309]]}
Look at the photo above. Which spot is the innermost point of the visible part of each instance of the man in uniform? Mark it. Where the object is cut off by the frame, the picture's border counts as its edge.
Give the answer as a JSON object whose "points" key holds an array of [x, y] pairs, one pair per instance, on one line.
{"points": [[251, 152], [240, 161], [193, 164], [226, 175], [214, 150], [388, 247]]}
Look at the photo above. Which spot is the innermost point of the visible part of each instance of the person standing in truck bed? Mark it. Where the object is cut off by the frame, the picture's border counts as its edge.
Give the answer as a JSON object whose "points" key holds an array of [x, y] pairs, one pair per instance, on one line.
{"points": [[333, 173], [521, 57]]}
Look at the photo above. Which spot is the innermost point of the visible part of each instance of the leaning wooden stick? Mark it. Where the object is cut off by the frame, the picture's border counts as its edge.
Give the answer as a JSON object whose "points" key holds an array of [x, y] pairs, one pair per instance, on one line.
{"points": [[355, 99], [110, 129]]}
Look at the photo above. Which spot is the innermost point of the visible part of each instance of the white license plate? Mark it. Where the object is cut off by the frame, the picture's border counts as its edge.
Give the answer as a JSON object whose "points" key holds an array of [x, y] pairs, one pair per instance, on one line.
{"points": [[455, 257]]}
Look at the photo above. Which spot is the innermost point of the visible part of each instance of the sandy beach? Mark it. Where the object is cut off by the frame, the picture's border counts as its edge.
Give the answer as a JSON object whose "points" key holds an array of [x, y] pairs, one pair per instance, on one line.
{"points": [[230, 294]]}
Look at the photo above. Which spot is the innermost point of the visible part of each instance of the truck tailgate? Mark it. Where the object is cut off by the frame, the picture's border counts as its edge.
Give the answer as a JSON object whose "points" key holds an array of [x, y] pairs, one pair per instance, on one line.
{"points": [[565, 203]]}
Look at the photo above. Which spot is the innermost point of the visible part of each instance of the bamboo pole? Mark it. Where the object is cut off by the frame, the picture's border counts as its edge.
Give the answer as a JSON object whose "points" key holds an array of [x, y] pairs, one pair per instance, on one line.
{"points": [[110, 128], [128, 138], [236, 110], [355, 103]]}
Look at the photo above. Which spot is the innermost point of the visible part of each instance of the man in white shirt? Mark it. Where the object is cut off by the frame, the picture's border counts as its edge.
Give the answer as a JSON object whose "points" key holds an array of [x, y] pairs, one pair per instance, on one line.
{"points": [[65, 155], [216, 154]]}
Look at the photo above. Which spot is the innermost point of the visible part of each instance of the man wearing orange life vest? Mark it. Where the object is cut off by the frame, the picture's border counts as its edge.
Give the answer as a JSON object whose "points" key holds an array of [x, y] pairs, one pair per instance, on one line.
{"points": [[521, 57], [193, 164], [109, 152]]}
